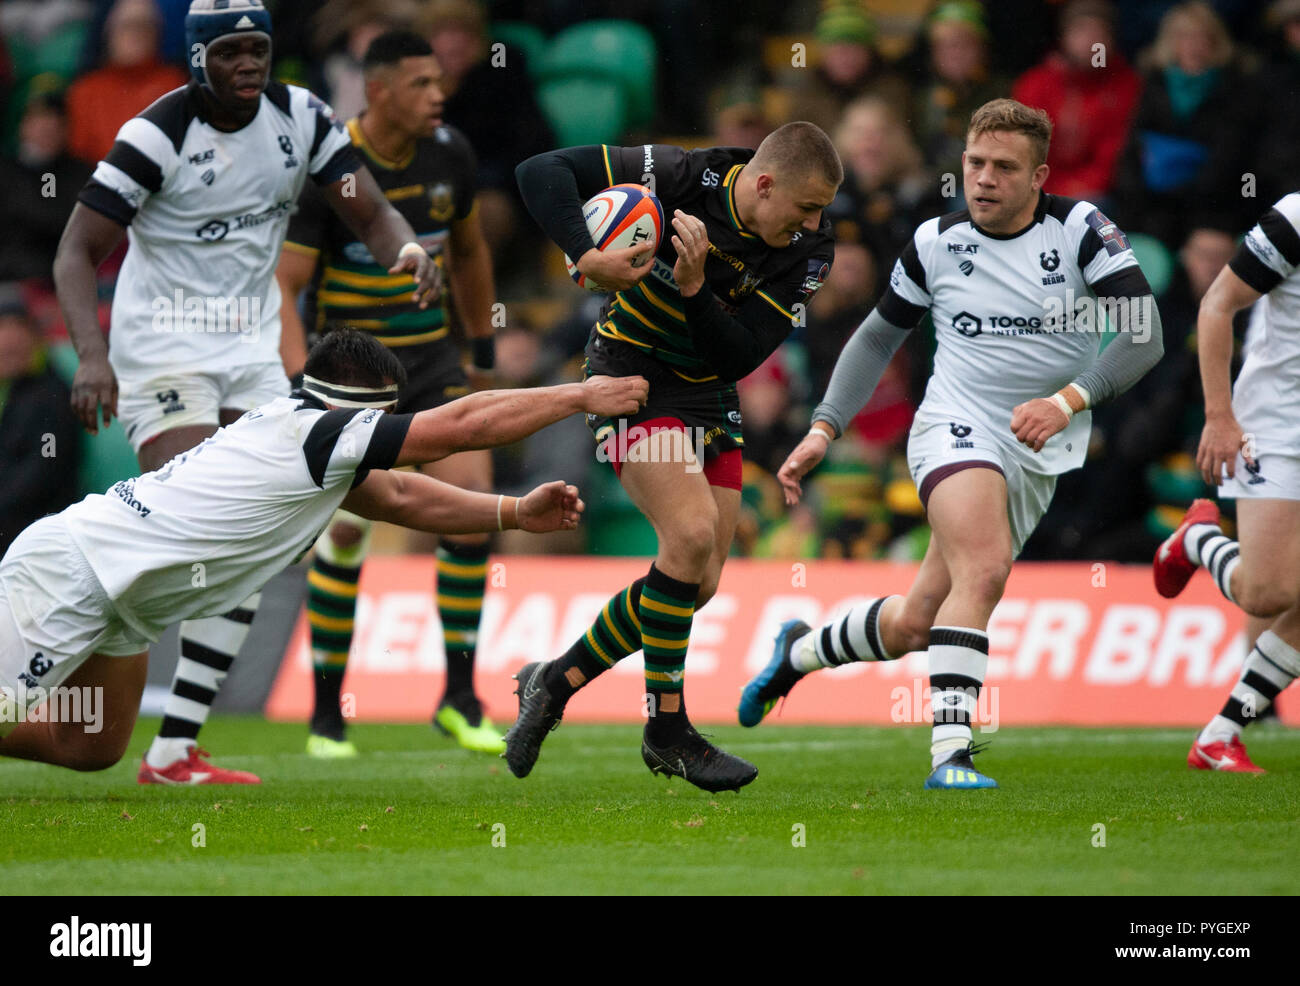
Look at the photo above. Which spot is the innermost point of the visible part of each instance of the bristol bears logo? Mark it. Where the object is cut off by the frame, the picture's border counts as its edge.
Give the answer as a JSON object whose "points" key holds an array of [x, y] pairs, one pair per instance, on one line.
{"points": [[1049, 264], [1255, 477], [960, 435], [36, 668], [213, 230], [286, 145], [967, 324]]}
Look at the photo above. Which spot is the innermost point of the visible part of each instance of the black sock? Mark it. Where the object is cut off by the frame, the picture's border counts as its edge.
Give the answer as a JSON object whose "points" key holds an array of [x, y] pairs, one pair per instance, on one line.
{"points": [[327, 717]]}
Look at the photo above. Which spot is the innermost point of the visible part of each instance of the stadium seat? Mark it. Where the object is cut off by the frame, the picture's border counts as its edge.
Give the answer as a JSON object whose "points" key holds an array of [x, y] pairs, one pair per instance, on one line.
{"points": [[528, 38], [1156, 260], [619, 51], [584, 110], [106, 457]]}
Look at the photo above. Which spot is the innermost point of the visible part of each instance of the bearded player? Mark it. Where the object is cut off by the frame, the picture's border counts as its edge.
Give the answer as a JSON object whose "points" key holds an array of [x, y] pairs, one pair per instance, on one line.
{"points": [[1004, 413]]}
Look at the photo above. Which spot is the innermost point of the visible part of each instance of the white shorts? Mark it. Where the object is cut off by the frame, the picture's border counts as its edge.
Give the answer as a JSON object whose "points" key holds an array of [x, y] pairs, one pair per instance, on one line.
{"points": [[53, 613], [176, 400], [1275, 477], [936, 449]]}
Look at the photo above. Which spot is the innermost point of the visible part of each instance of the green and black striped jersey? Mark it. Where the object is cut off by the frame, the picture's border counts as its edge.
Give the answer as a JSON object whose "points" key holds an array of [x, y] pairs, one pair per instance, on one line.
{"points": [[759, 286], [432, 188]]}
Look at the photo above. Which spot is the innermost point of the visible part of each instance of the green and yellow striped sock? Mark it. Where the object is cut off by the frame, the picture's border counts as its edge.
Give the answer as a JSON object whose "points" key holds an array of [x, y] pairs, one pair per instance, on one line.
{"points": [[462, 579], [331, 615], [615, 634], [666, 610]]}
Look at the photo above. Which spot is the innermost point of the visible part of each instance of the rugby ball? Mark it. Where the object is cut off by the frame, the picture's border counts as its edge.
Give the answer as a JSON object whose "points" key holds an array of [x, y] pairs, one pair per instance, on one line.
{"points": [[621, 216]]}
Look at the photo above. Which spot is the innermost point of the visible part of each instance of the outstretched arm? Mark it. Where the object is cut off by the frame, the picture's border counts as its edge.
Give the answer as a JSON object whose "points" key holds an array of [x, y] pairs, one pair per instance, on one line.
{"points": [[500, 417], [422, 503]]}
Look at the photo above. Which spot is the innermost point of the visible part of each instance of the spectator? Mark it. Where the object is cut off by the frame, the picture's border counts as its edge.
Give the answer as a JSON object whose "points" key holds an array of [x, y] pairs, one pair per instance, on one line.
{"points": [[739, 120], [493, 104], [1278, 147], [1195, 119], [887, 191], [41, 183], [344, 29], [38, 433], [1090, 93], [849, 65], [957, 83], [132, 77]]}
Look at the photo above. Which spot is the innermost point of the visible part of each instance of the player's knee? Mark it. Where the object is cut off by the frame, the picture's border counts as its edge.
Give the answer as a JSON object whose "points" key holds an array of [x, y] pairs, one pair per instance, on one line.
{"points": [[85, 751], [984, 579]]}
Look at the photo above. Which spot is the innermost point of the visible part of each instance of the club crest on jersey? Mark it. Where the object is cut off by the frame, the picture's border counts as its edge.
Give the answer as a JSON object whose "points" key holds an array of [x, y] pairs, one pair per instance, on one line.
{"points": [[286, 145], [966, 267], [960, 435], [442, 204], [1112, 238], [1049, 263], [208, 177], [967, 324], [815, 278], [749, 281], [1254, 469]]}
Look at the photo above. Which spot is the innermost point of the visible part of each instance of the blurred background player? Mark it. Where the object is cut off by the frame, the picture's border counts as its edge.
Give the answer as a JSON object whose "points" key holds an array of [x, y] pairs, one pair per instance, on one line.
{"points": [[749, 244], [426, 169], [1250, 452], [985, 449], [204, 179]]}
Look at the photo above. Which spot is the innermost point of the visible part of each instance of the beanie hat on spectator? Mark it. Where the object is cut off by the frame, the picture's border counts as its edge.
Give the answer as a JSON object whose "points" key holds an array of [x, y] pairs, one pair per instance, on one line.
{"points": [[961, 12], [845, 22], [211, 20]]}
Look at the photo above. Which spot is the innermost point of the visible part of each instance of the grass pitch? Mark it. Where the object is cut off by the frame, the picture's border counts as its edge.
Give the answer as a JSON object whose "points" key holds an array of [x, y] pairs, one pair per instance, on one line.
{"points": [[416, 815]]}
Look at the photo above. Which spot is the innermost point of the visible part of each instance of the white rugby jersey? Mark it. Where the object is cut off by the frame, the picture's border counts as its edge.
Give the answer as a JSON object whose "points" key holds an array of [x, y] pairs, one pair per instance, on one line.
{"points": [[1009, 315], [216, 523], [206, 212], [1266, 396]]}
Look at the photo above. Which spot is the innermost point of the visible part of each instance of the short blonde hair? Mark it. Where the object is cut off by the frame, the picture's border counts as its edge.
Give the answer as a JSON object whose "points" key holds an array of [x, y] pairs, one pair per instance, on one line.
{"points": [[1009, 116], [798, 150], [1194, 14]]}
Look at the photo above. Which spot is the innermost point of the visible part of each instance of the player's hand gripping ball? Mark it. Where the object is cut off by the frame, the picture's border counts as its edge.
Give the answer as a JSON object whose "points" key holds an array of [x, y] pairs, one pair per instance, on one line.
{"points": [[621, 217]]}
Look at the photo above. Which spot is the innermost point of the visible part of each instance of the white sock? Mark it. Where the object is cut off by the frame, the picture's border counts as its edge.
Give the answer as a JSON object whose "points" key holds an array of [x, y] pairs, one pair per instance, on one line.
{"points": [[959, 658], [1270, 667], [165, 752], [1193, 534], [855, 636]]}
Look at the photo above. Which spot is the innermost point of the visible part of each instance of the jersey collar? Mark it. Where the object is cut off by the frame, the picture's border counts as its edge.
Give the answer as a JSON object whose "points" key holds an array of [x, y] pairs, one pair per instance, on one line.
{"points": [[359, 139], [729, 199], [1040, 211]]}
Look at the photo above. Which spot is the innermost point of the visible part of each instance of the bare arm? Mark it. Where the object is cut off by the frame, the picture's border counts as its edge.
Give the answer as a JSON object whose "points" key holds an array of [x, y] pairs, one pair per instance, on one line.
{"points": [[422, 503], [500, 417], [1222, 437], [471, 276], [294, 272], [87, 241], [359, 202]]}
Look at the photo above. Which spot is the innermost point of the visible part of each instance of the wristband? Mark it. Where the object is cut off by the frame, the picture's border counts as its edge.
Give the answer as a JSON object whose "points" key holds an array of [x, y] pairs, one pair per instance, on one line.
{"points": [[1063, 404], [484, 349], [1087, 399], [411, 247], [501, 498], [820, 433]]}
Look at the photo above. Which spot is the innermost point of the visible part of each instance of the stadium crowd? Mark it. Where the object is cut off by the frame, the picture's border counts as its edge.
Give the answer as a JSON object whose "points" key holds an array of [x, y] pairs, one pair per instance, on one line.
{"points": [[1180, 120]]}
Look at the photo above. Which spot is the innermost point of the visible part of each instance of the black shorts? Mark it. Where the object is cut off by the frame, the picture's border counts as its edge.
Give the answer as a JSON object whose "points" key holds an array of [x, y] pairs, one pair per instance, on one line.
{"points": [[434, 375], [710, 410]]}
